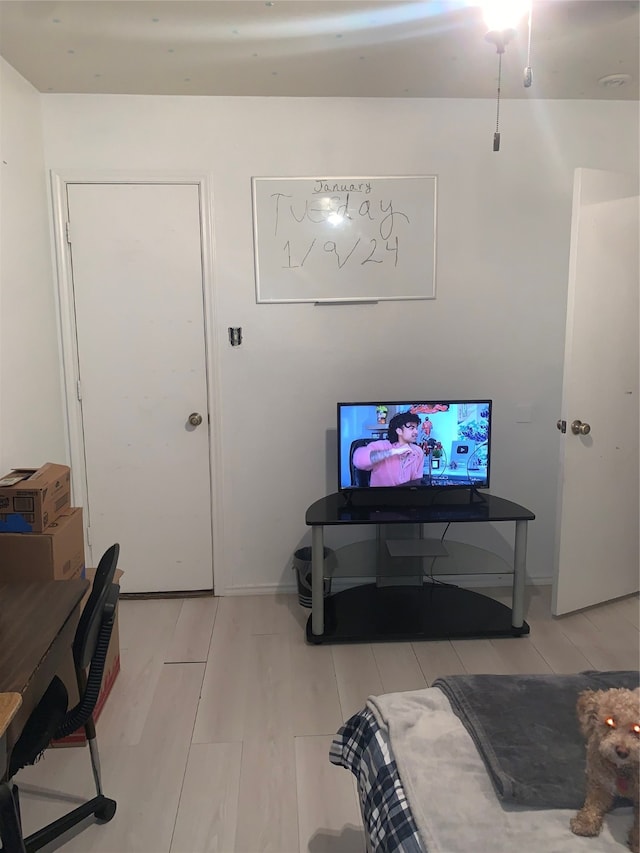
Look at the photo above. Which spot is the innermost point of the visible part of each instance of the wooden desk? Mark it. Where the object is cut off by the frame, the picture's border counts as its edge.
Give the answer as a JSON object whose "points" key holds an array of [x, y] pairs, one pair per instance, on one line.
{"points": [[9, 704], [37, 626]]}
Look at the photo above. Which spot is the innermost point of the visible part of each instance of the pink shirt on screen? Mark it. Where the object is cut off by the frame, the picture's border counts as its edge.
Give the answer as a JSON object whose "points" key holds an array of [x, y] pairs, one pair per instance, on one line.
{"points": [[393, 471]]}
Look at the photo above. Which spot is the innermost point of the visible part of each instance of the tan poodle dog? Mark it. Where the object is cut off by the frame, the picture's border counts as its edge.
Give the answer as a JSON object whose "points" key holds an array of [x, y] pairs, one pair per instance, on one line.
{"points": [[610, 721]]}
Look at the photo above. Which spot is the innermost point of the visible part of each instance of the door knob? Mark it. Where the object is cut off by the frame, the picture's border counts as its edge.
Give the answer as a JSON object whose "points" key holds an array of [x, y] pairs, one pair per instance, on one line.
{"points": [[195, 419], [578, 428]]}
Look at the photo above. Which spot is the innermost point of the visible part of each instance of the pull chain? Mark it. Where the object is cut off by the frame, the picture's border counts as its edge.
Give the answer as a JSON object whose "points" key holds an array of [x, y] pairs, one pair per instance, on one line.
{"points": [[496, 135], [528, 74]]}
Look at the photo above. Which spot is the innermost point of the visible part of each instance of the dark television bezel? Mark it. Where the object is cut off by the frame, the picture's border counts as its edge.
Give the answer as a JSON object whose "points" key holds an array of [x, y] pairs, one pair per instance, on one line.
{"points": [[413, 488]]}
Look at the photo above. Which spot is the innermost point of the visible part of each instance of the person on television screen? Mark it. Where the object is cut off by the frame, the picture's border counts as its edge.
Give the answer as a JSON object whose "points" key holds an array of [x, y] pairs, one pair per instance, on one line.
{"points": [[394, 460]]}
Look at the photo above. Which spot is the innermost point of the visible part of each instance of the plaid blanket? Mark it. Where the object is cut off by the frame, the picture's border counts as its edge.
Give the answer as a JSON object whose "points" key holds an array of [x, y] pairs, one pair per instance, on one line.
{"points": [[361, 747]]}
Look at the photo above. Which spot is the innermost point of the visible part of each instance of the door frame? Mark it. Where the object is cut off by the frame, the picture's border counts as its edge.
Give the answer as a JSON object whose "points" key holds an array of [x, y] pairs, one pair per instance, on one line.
{"points": [[59, 180]]}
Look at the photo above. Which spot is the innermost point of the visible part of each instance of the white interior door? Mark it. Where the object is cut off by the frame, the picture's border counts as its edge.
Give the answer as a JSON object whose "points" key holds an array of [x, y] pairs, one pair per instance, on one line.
{"points": [[597, 539], [137, 273]]}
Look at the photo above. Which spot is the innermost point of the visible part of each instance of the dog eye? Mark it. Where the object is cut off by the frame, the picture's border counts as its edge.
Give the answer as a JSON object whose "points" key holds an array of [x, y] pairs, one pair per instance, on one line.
{"points": [[610, 722], [636, 729]]}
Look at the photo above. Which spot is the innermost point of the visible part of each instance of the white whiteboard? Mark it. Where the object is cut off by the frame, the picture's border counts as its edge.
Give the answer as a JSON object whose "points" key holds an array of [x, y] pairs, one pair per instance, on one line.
{"points": [[344, 239]]}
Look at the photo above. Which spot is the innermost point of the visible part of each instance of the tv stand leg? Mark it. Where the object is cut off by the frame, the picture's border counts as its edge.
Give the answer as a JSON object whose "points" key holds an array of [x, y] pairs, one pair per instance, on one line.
{"points": [[317, 580], [519, 574]]}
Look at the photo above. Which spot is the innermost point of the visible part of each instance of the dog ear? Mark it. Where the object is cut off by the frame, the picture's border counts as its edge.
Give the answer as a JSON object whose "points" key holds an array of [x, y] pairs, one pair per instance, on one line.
{"points": [[587, 708]]}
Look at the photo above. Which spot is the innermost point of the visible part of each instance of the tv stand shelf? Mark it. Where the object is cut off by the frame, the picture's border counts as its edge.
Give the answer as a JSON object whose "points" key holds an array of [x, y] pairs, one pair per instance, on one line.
{"points": [[411, 608], [389, 558]]}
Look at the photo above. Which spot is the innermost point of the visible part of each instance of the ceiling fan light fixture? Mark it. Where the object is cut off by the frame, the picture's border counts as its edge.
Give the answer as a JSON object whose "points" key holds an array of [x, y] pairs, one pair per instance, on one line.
{"points": [[503, 15], [502, 18], [500, 38]]}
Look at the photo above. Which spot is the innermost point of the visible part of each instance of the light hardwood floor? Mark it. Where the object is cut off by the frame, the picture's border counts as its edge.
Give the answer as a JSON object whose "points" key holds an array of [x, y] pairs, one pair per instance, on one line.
{"points": [[216, 734]]}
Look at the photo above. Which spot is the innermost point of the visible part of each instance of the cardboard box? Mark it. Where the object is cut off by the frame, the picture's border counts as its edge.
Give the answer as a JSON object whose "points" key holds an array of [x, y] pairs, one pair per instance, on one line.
{"points": [[32, 498], [111, 670], [56, 554]]}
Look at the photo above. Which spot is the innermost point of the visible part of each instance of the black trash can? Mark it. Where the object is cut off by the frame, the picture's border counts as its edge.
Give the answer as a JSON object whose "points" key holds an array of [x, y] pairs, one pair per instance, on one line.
{"points": [[302, 565]]}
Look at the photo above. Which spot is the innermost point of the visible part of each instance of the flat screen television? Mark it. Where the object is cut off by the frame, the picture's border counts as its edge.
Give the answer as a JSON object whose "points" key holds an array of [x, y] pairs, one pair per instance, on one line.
{"points": [[445, 444]]}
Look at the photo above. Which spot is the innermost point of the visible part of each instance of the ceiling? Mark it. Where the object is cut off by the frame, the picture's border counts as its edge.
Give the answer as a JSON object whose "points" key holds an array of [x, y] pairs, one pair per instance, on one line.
{"points": [[306, 48]]}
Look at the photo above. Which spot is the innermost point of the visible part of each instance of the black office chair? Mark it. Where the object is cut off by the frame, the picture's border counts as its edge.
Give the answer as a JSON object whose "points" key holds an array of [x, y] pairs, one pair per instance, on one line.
{"points": [[10, 834], [358, 477], [50, 719]]}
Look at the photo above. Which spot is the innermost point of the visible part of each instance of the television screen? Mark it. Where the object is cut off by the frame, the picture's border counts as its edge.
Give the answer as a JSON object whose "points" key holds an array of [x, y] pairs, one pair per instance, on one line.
{"points": [[442, 444]]}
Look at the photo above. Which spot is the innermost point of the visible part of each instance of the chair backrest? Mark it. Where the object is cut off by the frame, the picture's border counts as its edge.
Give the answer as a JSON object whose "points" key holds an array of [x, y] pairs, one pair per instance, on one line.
{"points": [[358, 477], [91, 646], [89, 625]]}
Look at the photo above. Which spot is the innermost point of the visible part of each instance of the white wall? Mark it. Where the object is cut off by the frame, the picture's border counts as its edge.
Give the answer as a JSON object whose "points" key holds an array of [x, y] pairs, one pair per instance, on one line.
{"points": [[31, 409], [495, 330]]}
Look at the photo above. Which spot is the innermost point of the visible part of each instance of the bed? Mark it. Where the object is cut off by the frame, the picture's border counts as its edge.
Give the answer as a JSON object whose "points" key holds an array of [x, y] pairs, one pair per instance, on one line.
{"points": [[482, 762]]}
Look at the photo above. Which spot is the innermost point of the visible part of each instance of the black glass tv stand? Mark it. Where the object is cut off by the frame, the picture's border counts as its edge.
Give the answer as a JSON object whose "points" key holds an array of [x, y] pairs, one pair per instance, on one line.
{"points": [[421, 609]]}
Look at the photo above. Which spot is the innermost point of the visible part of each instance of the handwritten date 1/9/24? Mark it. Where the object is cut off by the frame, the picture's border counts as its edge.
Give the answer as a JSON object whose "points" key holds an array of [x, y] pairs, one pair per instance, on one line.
{"points": [[373, 251]]}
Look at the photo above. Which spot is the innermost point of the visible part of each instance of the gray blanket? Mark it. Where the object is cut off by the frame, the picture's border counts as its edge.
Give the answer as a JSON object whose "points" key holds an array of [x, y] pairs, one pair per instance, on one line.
{"points": [[526, 730]]}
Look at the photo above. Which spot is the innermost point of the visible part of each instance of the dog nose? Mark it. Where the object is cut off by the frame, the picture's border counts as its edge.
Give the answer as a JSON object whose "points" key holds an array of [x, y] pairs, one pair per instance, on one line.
{"points": [[621, 752]]}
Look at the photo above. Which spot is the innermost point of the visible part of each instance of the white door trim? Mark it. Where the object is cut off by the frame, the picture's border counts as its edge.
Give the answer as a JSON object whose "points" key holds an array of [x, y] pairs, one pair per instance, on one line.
{"points": [[68, 338]]}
